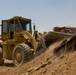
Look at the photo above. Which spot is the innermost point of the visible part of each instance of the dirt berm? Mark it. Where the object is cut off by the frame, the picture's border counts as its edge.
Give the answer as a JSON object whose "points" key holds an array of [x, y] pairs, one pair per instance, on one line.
{"points": [[58, 59]]}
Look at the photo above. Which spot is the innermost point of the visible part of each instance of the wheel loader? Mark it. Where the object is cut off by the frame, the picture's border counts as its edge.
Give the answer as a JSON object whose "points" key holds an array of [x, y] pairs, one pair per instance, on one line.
{"points": [[19, 44]]}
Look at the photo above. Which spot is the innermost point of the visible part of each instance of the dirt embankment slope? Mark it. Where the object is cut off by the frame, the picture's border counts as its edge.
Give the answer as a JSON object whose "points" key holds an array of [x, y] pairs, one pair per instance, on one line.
{"points": [[47, 63]]}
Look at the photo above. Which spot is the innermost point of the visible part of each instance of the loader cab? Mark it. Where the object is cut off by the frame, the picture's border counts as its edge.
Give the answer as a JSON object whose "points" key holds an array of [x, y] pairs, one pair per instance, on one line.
{"points": [[15, 24]]}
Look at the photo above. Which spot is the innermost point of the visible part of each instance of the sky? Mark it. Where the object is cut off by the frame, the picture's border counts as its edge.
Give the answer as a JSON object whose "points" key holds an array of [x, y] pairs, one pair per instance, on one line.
{"points": [[46, 14]]}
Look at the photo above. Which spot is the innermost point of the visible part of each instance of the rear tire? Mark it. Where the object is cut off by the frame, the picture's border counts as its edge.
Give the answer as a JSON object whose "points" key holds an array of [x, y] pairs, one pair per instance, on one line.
{"points": [[21, 54], [1, 60]]}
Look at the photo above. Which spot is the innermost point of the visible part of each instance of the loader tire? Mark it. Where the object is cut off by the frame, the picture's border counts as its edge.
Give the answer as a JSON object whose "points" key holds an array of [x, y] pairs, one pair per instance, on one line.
{"points": [[1, 60], [21, 54]]}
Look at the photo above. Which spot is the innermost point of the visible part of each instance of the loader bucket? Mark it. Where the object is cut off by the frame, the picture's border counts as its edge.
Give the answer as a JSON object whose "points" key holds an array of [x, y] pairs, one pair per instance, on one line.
{"points": [[48, 39], [67, 46]]}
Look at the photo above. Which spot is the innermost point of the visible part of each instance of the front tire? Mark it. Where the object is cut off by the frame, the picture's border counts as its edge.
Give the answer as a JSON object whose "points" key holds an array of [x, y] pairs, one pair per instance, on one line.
{"points": [[21, 54]]}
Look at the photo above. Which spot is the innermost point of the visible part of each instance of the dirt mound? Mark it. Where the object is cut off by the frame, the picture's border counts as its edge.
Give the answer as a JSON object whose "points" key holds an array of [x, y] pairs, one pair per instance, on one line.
{"points": [[48, 63]]}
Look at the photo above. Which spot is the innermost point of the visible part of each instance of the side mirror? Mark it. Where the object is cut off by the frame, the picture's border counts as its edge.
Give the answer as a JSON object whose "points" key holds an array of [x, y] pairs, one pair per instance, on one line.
{"points": [[34, 27]]}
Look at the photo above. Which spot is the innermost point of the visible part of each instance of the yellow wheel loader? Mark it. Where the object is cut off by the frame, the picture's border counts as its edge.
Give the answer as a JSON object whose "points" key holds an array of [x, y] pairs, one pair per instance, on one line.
{"points": [[18, 44]]}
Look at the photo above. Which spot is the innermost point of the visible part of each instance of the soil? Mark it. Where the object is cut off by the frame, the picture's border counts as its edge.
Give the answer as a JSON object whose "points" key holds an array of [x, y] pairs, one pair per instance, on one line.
{"points": [[48, 63]]}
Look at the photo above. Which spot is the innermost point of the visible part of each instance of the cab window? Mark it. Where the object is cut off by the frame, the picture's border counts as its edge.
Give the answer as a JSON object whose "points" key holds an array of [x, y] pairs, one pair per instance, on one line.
{"points": [[26, 25], [5, 26]]}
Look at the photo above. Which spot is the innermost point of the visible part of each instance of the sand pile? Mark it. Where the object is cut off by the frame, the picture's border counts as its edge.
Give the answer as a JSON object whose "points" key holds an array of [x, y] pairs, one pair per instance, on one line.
{"points": [[47, 63]]}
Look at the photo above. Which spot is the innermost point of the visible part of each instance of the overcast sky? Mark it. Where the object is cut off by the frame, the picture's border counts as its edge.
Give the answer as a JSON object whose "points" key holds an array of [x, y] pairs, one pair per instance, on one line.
{"points": [[46, 14]]}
